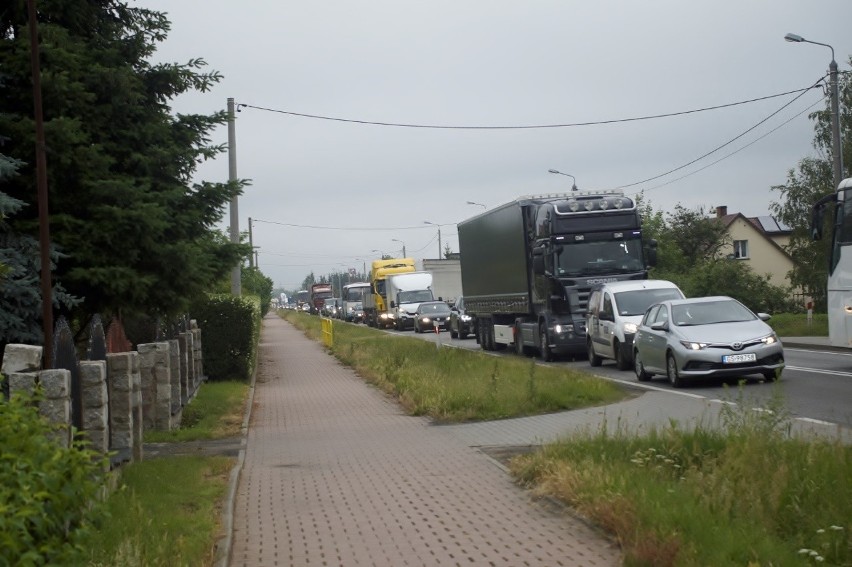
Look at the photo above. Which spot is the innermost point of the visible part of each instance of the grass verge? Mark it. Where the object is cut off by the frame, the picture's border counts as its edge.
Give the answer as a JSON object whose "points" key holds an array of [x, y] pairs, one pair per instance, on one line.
{"points": [[456, 385], [796, 325], [215, 413], [165, 511], [743, 494]]}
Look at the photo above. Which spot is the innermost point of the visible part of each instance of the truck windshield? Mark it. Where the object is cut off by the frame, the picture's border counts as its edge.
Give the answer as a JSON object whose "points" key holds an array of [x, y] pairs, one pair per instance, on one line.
{"points": [[354, 293], [415, 296], [586, 258]]}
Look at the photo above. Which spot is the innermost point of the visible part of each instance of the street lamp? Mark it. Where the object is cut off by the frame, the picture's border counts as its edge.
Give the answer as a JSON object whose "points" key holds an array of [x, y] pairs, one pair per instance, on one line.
{"points": [[477, 204], [835, 107], [403, 245], [573, 186], [439, 236]]}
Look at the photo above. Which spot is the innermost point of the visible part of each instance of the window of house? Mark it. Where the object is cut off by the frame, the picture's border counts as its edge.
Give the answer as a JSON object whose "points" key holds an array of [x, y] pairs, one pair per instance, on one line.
{"points": [[740, 248]]}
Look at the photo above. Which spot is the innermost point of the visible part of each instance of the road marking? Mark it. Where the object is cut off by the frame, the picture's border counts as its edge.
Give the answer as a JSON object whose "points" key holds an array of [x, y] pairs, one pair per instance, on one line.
{"points": [[818, 371], [819, 351]]}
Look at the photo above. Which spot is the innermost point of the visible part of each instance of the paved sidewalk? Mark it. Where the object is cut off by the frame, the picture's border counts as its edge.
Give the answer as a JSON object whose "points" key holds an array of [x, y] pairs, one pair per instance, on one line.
{"points": [[336, 474]]}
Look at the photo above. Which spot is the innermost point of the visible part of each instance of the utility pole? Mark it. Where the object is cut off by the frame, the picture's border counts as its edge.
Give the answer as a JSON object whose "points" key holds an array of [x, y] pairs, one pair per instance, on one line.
{"points": [[251, 243], [41, 183], [236, 286]]}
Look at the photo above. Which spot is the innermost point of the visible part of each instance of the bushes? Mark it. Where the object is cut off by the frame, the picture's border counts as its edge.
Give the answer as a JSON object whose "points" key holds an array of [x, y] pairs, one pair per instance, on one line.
{"points": [[231, 330], [47, 492]]}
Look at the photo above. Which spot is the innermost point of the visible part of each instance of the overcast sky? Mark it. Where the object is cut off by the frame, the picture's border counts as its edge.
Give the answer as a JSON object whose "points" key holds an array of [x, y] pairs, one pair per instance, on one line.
{"points": [[493, 63]]}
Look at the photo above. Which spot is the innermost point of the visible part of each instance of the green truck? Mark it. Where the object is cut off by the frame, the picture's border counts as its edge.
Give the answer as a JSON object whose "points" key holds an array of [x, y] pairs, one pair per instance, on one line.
{"points": [[528, 267]]}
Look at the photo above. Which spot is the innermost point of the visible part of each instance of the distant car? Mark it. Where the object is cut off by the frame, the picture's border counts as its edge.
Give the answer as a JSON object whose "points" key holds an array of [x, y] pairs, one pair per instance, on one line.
{"points": [[460, 323], [705, 337], [355, 313], [431, 315], [330, 307]]}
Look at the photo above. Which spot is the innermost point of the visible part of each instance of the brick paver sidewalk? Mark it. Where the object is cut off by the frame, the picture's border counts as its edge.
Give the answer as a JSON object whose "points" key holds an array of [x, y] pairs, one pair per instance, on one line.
{"points": [[336, 474]]}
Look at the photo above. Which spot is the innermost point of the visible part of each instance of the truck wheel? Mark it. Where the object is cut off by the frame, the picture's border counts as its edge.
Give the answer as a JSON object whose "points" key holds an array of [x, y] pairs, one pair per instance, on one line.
{"points": [[621, 361], [546, 354], [594, 359]]}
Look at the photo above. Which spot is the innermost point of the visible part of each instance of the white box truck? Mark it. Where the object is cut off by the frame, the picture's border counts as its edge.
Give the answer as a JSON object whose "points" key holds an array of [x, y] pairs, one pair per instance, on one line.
{"points": [[405, 292]]}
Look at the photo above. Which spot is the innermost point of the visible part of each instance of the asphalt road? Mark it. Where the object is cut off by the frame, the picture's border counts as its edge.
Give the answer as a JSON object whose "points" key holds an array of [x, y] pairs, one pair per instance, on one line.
{"points": [[816, 384]]}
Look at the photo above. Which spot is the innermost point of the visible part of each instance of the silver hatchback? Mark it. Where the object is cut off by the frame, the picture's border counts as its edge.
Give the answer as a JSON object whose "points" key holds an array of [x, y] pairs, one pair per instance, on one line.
{"points": [[705, 337]]}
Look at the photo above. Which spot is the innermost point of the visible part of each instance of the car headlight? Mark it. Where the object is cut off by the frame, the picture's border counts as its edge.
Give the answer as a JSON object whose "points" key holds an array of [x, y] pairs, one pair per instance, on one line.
{"points": [[630, 328], [770, 339], [693, 346], [465, 318], [425, 319], [558, 329]]}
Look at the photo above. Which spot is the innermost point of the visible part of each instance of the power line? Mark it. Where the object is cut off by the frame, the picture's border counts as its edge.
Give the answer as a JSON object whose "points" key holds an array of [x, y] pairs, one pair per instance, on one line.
{"points": [[729, 142], [726, 156], [518, 127], [371, 229]]}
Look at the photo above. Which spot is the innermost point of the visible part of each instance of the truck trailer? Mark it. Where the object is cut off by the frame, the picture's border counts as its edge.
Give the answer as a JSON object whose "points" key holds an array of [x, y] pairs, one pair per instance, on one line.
{"points": [[405, 293], [528, 267], [376, 304]]}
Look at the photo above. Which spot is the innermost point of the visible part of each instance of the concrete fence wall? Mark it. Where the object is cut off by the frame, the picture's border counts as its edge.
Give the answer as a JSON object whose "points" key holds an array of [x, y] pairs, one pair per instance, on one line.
{"points": [[122, 397]]}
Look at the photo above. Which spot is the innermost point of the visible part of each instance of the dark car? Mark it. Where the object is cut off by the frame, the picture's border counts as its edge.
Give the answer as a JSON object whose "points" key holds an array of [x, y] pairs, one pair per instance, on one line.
{"points": [[431, 315], [460, 323]]}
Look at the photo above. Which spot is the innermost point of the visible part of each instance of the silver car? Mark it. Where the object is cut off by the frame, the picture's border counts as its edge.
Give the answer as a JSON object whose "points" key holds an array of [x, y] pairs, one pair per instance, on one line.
{"points": [[704, 337]]}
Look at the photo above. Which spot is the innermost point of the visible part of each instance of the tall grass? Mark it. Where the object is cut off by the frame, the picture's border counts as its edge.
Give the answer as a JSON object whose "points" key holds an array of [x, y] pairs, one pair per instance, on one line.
{"points": [[164, 513], [745, 493], [215, 413], [450, 384]]}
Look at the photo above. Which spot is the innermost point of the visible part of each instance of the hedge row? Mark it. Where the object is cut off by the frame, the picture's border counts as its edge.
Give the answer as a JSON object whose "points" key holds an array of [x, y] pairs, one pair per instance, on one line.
{"points": [[230, 328]]}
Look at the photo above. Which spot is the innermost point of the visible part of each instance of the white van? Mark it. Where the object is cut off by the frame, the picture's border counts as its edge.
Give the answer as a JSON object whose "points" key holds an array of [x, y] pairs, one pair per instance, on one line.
{"points": [[615, 310]]}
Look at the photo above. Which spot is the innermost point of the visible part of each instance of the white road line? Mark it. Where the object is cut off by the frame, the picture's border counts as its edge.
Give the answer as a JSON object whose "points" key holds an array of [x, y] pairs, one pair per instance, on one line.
{"points": [[818, 371], [819, 351]]}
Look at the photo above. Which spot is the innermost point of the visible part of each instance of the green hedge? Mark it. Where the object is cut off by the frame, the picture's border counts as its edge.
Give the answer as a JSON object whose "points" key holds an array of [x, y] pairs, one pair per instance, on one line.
{"points": [[48, 493], [230, 331]]}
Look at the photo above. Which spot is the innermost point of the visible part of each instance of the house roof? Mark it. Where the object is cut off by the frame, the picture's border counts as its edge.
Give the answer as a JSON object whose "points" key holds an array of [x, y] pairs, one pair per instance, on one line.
{"points": [[775, 227]]}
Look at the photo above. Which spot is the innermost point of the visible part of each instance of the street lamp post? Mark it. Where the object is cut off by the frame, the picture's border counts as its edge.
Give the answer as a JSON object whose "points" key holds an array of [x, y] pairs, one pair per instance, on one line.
{"points": [[439, 236], [403, 245], [573, 179], [477, 204], [835, 107]]}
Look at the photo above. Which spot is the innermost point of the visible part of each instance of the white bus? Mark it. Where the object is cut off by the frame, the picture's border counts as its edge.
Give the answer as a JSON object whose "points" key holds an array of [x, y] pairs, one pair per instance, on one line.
{"points": [[840, 266]]}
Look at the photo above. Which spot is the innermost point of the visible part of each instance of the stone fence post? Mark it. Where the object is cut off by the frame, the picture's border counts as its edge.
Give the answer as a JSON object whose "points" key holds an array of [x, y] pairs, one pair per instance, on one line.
{"points": [[155, 369], [187, 367], [125, 404], [93, 382], [174, 373]]}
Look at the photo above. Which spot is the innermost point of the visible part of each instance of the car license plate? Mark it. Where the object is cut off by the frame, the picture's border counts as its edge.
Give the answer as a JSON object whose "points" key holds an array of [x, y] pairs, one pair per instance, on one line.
{"points": [[735, 358]]}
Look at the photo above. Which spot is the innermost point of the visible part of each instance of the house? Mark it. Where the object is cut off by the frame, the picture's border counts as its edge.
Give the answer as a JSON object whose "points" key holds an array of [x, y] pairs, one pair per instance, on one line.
{"points": [[760, 241]]}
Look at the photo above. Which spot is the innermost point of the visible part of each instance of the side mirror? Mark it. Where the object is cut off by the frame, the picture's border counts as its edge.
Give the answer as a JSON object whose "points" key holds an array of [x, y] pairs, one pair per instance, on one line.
{"points": [[606, 316], [660, 326], [393, 304], [538, 261], [764, 316], [652, 252]]}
